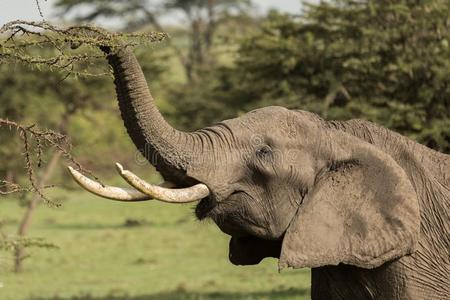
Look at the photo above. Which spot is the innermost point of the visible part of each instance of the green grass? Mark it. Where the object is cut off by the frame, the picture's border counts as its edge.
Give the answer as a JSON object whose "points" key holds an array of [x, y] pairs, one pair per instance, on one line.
{"points": [[169, 256]]}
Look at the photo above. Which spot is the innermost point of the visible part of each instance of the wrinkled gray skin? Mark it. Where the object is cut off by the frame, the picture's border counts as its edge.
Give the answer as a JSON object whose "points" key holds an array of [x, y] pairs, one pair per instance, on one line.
{"points": [[366, 208]]}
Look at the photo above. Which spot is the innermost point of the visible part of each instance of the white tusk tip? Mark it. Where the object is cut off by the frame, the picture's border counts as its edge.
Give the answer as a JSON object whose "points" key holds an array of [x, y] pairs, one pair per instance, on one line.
{"points": [[119, 168], [71, 170]]}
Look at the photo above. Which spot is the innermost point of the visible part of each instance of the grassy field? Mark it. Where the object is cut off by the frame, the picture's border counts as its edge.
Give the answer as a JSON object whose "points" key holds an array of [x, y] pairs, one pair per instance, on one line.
{"points": [[112, 250]]}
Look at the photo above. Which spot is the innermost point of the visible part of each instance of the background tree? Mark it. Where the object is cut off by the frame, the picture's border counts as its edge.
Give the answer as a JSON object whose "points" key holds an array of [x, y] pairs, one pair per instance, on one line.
{"points": [[193, 40], [386, 61]]}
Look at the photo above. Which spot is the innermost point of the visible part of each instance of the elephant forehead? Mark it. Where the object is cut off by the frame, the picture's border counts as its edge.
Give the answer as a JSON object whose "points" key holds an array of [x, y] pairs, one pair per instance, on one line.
{"points": [[261, 121], [274, 124]]}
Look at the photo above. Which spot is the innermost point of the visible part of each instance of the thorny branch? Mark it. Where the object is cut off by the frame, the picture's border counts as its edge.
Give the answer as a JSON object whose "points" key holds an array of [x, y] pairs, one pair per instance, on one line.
{"points": [[11, 188], [42, 138], [22, 39], [39, 8]]}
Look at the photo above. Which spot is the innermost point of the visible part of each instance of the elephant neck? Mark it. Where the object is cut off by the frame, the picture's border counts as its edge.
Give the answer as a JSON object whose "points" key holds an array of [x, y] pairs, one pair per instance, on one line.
{"points": [[389, 281]]}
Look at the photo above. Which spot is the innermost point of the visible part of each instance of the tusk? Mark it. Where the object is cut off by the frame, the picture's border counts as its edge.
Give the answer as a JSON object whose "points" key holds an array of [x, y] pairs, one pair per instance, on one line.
{"points": [[110, 192], [185, 195]]}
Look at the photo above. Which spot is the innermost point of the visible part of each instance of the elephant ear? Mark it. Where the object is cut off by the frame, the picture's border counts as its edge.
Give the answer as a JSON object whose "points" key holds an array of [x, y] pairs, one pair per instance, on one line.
{"points": [[362, 211]]}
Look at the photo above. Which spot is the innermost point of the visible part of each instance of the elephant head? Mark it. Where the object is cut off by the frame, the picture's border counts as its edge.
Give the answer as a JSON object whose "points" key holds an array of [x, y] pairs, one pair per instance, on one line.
{"points": [[281, 183]]}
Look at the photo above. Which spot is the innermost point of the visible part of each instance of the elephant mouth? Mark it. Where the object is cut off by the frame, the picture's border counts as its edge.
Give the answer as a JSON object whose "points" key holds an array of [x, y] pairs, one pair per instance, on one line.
{"points": [[251, 250], [225, 213], [230, 215], [209, 207], [244, 248]]}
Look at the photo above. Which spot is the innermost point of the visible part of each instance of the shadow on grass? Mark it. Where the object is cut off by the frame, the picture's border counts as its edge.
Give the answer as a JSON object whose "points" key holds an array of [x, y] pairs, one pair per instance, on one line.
{"points": [[127, 223], [87, 226], [184, 295]]}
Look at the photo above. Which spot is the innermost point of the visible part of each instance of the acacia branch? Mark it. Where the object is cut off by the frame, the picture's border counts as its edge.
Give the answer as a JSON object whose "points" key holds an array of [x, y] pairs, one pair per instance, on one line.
{"points": [[23, 38], [42, 138]]}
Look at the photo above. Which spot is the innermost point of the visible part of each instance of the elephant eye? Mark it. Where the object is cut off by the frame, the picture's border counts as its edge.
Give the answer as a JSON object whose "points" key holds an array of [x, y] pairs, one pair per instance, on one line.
{"points": [[264, 152]]}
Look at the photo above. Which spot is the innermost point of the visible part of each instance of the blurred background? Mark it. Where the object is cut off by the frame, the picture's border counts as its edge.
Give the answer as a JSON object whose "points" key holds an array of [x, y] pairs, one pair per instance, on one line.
{"points": [[387, 61]]}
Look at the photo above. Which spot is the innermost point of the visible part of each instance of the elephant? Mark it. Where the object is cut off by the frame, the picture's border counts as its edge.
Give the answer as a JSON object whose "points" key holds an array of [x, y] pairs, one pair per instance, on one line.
{"points": [[367, 209]]}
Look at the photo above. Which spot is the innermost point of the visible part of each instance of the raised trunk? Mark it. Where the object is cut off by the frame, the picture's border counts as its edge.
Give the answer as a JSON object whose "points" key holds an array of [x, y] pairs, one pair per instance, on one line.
{"points": [[162, 145]]}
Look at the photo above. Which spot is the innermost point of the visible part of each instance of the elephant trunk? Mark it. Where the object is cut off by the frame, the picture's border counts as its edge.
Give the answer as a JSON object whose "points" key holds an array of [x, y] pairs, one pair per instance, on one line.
{"points": [[161, 144]]}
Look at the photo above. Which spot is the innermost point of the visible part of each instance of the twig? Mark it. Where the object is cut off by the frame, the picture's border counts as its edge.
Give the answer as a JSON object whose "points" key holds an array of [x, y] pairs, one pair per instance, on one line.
{"points": [[39, 8], [23, 37], [47, 138]]}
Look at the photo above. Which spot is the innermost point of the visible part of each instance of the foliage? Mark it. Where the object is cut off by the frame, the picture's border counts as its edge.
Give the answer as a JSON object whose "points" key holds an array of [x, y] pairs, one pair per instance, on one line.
{"points": [[386, 61], [59, 44]]}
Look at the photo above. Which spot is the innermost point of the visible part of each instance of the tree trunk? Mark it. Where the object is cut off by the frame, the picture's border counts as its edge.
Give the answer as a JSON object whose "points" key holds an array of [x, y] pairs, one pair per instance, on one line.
{"points": [[19, 253], [196, 49], [210, 26]]}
